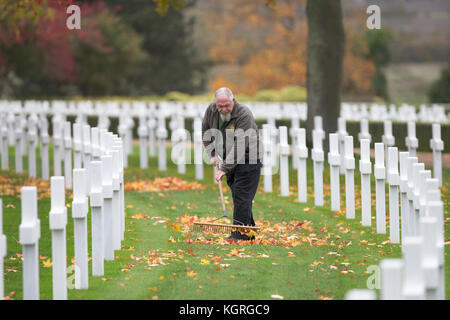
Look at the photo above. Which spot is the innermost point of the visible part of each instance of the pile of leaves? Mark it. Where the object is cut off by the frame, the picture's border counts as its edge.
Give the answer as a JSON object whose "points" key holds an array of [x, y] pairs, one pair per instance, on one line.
{"points": [[12, 186], [161, 184], [287, 234]]}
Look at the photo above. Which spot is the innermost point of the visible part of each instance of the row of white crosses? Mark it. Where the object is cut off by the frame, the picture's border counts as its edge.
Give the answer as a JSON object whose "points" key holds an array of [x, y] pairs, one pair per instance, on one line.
{"points": [[419, 274], [101, 180], [433, 113], [385, 171], [420, 198], [404, 113]]}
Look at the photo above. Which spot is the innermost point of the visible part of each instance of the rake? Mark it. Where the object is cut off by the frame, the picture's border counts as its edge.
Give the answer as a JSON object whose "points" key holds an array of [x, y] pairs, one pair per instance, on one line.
{"points": [[225, 228], [220, 227]]}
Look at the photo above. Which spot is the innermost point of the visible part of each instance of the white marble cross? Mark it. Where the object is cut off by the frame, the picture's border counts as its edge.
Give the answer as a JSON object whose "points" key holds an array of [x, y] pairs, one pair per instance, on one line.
{"points": [[198, 148], [79, 214], [380, 177], [284, 164], [143, 138], [87, 149], [349, 178], [435, 208], [77, 146], [32, 138], [107, 207], [45, 166], [391, 271], [413, 279], [437, 145], [342, 132], [393, 180], [302, 154], [364, 130], [18, 145], [29, 234], [388, 139], [318, 159], [430, 256], [161, 135], [404, 209], [68, 154], [4, 145], [334, 160], [267, 168], [410, 140], [96, 203], [365, 167], [58, 222]]}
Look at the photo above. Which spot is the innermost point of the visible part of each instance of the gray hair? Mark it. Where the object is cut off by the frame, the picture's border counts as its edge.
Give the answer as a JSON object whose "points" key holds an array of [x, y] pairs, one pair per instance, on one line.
{"points": [[223, 91]]}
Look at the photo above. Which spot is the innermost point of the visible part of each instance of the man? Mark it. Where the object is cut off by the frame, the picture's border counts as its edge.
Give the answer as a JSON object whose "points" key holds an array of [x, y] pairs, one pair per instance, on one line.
{"points": [[236, 140]]}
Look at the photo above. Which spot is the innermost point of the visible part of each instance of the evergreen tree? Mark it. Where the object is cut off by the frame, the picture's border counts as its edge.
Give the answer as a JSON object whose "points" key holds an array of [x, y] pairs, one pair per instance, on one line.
{"points": [[173, 64]]}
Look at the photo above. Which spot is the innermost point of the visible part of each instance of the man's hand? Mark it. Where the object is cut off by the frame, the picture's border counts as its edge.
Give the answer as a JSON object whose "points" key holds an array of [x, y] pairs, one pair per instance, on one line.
{"points": [[219, 175], [214, 161]]}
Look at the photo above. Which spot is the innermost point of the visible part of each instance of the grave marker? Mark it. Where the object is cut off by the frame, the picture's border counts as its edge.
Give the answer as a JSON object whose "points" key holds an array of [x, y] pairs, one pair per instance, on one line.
{"points": [[96, 203], [267, 163], [32, 143], [342, 132], [380, 176], [334, 160], [365, 167], [17, 146], [430, 256], [391, 279], [107, 207], [79, 214], [45, 166], [437, 145], [58, 222], [410, 140], [393, 180], [413, 279], [29, 234], [349, 178], [161, 134], [317, 157], [68, 155], [284, 164], [77, 146], [143, 136], [302, 154]]}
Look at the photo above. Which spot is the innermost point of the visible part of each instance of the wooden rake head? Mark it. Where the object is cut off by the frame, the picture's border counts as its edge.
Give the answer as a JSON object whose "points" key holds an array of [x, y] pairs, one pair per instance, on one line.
{"points": [[222, 228]]}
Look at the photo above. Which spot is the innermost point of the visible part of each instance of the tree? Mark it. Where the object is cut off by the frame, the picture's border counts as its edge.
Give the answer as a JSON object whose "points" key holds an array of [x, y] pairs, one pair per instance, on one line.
{"points": [[51, 60], [377, 42], [325, 46], [439, 90], [173, 64]]}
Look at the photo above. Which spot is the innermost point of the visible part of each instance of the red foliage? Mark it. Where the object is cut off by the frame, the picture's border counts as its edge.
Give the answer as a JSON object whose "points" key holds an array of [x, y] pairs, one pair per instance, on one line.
{"points": [[54, 41]]}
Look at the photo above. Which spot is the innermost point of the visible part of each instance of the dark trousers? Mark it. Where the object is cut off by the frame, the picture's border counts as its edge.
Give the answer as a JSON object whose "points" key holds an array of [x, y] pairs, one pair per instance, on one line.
{"points": [[243, 182]]}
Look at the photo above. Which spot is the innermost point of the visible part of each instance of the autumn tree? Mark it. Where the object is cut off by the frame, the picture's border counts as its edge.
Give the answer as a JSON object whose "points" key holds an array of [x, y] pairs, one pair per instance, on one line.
{"points": [[48, 59]]}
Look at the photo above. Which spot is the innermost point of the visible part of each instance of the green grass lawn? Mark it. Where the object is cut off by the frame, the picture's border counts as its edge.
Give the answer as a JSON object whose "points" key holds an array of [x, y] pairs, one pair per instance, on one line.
{"points": [[159, 261]]}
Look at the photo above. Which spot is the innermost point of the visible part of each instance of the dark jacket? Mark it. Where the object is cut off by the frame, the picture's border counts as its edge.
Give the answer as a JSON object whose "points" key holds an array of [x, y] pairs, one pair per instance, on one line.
{"points": [[239, 129]]}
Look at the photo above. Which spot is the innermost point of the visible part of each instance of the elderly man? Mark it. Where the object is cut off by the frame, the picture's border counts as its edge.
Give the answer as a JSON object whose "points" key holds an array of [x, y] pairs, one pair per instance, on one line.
{"points": [[236, 140]]}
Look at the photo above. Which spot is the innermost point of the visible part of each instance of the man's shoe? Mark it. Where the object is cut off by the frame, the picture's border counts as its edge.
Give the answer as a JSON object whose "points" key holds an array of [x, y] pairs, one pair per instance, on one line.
{"points": [[236, 236]]}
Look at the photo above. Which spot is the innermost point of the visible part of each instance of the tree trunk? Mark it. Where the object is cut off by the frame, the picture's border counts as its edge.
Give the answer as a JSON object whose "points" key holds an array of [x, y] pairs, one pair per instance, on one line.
{"points": [[326, 45]]}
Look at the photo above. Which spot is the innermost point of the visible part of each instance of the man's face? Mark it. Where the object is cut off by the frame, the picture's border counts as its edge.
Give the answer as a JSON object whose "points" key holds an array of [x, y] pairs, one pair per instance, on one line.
{"points": [[224, 104]]}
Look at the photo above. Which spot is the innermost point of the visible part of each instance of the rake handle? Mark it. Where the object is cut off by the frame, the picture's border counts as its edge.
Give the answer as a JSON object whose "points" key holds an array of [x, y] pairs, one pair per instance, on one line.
{"points": [[221, 194]]}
